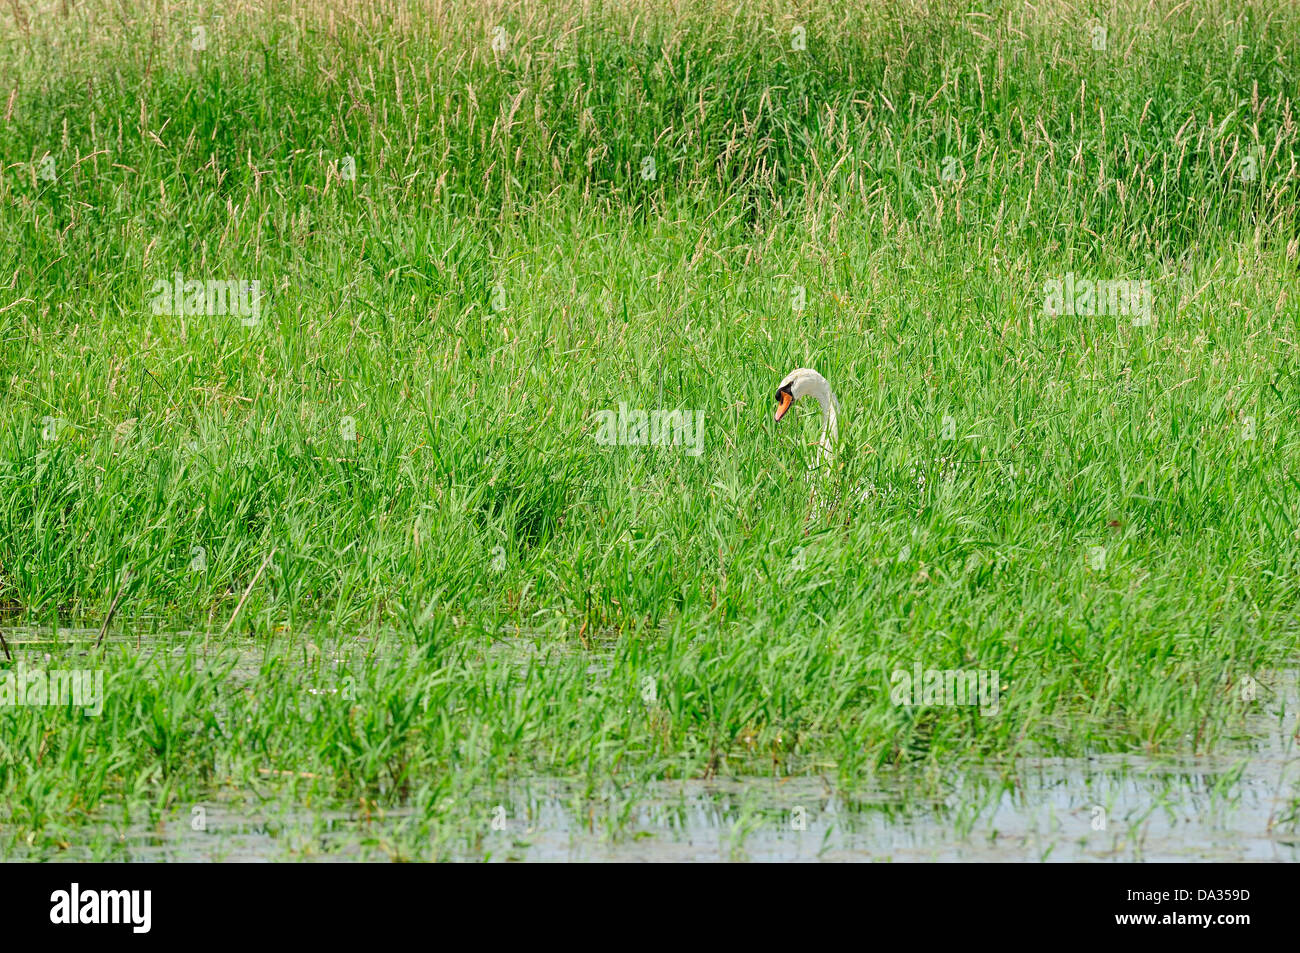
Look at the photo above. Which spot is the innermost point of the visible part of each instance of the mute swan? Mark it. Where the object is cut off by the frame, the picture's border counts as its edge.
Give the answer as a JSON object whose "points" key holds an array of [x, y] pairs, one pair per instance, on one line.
{"points": [[804, 381]]}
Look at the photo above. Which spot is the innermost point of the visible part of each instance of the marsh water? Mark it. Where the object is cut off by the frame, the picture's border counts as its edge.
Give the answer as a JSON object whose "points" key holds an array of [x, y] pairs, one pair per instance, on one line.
{"points": [[1237, 805], [1155, 813]]}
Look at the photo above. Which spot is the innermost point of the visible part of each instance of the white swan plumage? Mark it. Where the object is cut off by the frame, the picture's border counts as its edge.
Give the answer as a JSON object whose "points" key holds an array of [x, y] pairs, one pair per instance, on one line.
{"points": [[806, 382]]}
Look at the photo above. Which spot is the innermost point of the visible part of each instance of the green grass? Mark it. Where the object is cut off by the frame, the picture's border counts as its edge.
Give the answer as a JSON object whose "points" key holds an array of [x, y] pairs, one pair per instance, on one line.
{"points": [[500, 270]]}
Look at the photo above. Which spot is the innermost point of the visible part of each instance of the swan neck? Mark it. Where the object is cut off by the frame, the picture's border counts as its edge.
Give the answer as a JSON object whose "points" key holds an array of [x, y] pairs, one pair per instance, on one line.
{"points": [[830, 410], [830, 425]]}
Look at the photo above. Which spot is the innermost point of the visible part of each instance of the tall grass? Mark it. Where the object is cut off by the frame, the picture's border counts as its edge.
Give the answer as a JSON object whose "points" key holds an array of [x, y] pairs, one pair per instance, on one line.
{"points": [[403, 447]]}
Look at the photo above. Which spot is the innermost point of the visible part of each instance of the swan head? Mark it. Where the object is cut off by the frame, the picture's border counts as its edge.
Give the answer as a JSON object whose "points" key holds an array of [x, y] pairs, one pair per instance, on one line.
{"points": [[803, 382]]}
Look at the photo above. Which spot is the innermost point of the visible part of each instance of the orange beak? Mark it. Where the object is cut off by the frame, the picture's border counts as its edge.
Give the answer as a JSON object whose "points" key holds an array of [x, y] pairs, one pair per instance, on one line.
{"points": [[783, 402]]}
